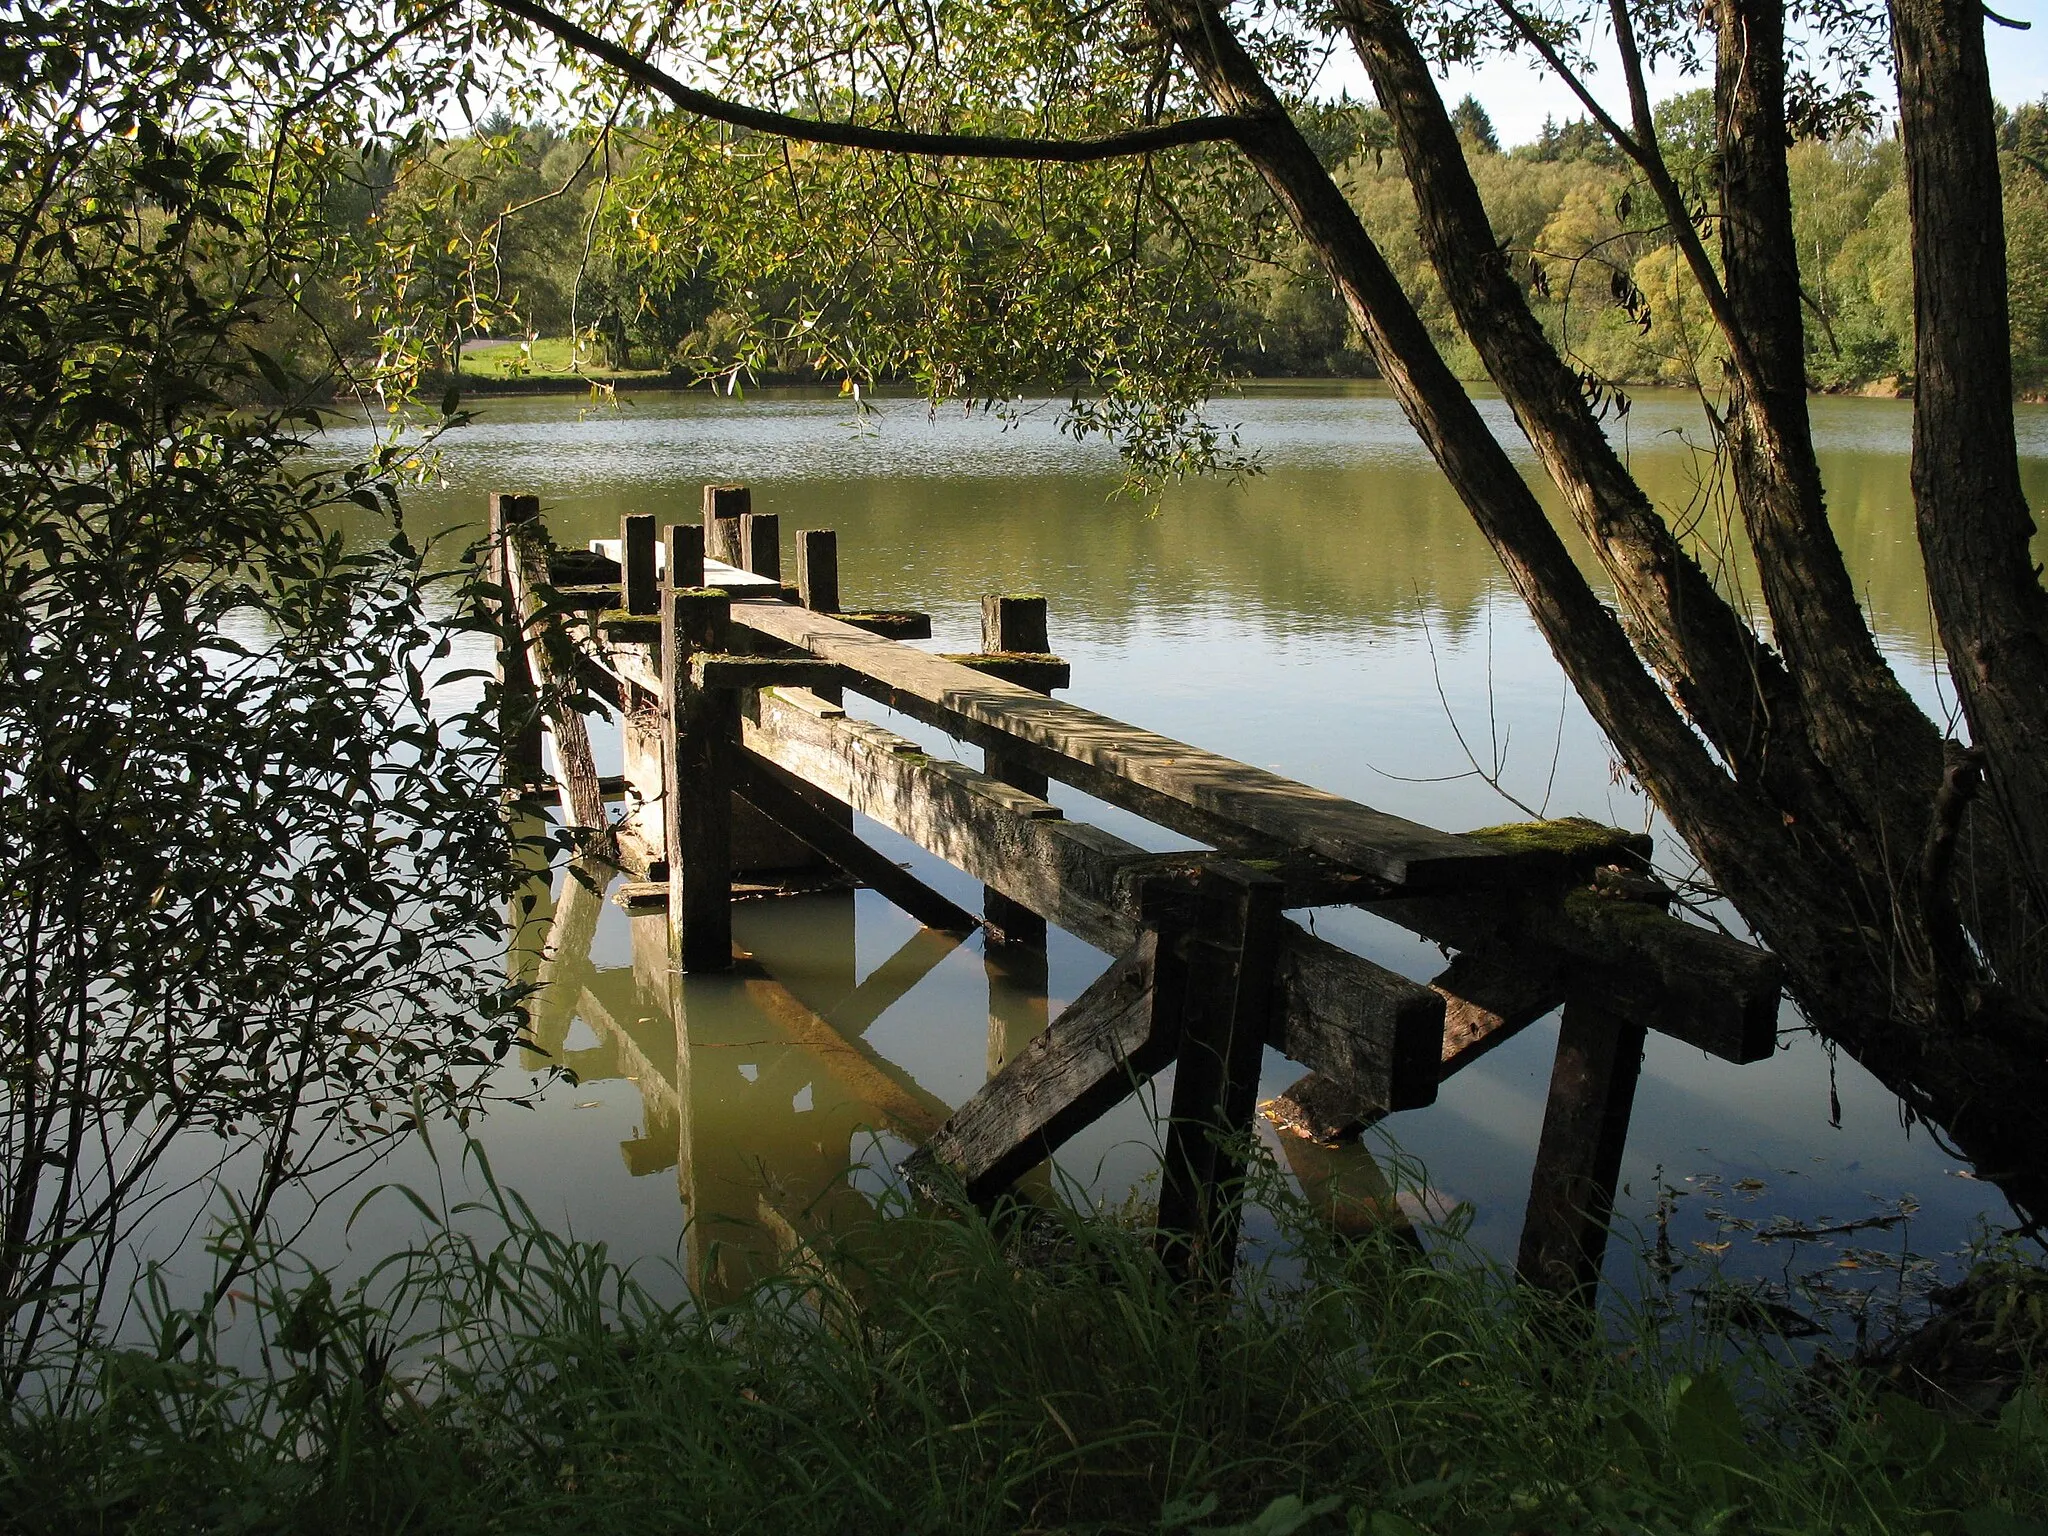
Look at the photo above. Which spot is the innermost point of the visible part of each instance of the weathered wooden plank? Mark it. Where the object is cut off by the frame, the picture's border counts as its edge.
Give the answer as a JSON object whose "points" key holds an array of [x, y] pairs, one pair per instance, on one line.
{"points": [[682, 555], [763, 786], [1490, 997], [597, 566], [1335, 1012], [1358, 1022], [1578, 1156], [765, 672], [1687, 982], [890, 624], [1003, 837], [1038, 672], [1099, 1049], [1178, 785], [1487, 999], [697, 784]]}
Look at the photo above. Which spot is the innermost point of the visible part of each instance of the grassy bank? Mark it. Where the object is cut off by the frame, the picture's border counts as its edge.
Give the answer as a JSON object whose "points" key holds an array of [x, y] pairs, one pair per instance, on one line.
{"points": [[929, 1375]]}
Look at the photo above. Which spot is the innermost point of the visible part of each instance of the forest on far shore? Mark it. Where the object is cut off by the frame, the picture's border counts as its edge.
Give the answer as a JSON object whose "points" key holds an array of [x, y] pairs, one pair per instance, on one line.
{"points": [[533, 233]]}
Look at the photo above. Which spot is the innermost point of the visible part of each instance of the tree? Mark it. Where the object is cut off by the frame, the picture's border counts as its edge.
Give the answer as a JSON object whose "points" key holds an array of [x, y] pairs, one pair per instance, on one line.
{"points": [[1901, 873], [252, 867], [1473, 127]]}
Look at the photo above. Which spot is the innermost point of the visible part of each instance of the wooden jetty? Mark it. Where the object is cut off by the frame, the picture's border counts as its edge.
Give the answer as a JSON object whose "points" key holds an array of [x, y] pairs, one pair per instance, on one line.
{"points": [[741, 763]]}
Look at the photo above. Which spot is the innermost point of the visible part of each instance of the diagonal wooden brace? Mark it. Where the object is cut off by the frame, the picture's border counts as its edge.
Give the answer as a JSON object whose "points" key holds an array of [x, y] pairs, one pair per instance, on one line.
{"points": [[1107, 1043]]}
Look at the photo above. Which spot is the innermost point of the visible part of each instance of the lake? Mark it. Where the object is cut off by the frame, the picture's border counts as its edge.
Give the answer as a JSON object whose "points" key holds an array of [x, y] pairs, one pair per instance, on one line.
{"points": [[1336, 618]]}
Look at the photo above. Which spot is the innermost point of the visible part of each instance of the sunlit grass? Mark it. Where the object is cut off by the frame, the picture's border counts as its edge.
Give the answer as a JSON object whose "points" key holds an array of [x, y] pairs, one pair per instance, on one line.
{"points": [[548, 358]]}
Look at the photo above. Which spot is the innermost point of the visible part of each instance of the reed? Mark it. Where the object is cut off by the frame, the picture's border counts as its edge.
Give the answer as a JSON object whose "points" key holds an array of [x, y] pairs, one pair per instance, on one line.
{"points": [[931, 1374]]}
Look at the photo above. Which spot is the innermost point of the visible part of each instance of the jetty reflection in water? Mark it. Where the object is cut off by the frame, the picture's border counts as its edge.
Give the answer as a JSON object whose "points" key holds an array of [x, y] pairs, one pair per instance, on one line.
{"points": [[759, 1092]]}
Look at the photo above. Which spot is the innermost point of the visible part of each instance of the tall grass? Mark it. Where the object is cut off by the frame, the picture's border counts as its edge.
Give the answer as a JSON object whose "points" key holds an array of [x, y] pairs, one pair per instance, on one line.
{"points": [[932, 1374]]}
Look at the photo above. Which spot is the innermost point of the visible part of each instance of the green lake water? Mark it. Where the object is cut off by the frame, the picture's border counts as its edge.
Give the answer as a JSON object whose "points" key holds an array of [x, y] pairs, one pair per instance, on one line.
{"points": [[1337, 619]]}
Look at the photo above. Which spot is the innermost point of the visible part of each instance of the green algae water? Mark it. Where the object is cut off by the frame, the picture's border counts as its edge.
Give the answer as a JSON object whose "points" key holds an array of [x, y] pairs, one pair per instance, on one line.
{"points": [[1336, 618]]}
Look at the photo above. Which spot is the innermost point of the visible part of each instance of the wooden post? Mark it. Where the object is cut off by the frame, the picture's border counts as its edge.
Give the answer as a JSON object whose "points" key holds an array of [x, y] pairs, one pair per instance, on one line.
{"points": [[724, 506], [817, 569], [552, 658], [685, 556], [641, 593], [702, 736], [1578, 1158], [761, 544], [518, 699], [1219, 936], [1018, 1008], [1013, 624]]}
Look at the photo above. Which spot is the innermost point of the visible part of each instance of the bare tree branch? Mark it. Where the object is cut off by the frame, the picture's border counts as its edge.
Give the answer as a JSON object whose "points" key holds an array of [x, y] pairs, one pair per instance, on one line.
{"points": [[1082, 151]]}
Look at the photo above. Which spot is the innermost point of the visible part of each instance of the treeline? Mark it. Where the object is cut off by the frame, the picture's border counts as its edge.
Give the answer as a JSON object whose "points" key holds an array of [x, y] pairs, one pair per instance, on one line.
{"points": [[521, 231]]}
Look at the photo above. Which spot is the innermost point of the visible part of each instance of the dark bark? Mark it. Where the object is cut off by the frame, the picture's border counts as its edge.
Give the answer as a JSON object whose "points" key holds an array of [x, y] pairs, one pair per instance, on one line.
{"points": [[1974, 523], [1845, 959], [1883, 751]]}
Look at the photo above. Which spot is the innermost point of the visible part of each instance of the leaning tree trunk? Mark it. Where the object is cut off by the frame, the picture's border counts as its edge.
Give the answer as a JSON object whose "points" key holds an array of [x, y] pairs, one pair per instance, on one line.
{"points": [[1882, 751], [1785, 875], [1975, 527]]}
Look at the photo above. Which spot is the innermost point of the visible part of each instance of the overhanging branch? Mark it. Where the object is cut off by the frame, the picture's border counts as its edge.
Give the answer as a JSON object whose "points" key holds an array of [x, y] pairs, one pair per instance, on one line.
{"points": [[901, 141]]}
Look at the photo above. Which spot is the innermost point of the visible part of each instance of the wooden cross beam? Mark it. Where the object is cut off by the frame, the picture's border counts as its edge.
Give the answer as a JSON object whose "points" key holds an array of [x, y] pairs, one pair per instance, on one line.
{"points": [[1334, 1011]]}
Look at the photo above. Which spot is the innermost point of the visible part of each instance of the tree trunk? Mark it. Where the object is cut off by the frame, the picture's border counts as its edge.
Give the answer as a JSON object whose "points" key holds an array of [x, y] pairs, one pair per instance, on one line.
{"points": [[1883, 752], [1787, 881], [1974, 523]]}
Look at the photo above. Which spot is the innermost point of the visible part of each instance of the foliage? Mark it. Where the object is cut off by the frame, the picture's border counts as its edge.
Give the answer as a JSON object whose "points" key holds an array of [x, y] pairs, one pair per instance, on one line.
{"points": [[922, 1373], [251, 856]]}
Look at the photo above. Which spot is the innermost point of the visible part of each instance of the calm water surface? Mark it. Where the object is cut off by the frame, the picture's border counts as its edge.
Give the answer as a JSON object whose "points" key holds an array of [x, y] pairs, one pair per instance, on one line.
{"points": [[1336, 619]]}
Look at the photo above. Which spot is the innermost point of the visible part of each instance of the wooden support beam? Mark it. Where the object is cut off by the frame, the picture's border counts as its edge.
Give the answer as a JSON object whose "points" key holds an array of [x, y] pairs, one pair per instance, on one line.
{"points": [[889, 625], [724, 506], [817, 569], [595, 567], [642, 591], [1219, 940], [1335, 1012], [771, 792], [1180, 786], [697, 784], [1039, 673], [1578, 1158], [1107, 1042], [684, 567], [765, 672], [761, 544], [518, 697], [1491, 996], [1013, 623], [1681, 980], [557, 665], [1488, 999]]}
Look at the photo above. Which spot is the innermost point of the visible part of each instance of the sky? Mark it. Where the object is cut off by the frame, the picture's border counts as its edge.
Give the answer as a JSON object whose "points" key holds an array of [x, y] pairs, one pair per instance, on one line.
{"points": [[1518, 98]]}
